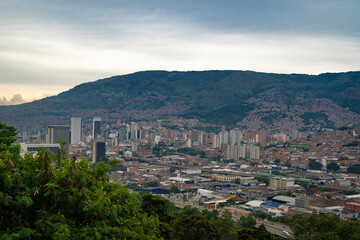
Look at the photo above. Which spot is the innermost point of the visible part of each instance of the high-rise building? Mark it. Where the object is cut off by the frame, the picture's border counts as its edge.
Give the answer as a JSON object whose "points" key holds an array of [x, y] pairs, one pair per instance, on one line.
{"points": [[96, 131], [201, 138], [76, 130], [58, 133], [254, 152], [224, 137], [235, 136], [134, 131], [98, 149], [216, 141], [237, 152], [123, 134]]}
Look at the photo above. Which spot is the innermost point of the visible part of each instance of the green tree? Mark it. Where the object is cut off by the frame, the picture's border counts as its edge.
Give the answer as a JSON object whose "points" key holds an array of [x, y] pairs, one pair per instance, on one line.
{"points": [[7, 135], [277, 161], [225, 226], [333, 166], [288, 163], [210, 215], [195, 227], [156, 206], [189, 211], [258, 234], [276, 172], [315, 165], [325, 226], [247, 222], [263, 179], [152, 184], [46, 197], [174, 189], [354, 169]]}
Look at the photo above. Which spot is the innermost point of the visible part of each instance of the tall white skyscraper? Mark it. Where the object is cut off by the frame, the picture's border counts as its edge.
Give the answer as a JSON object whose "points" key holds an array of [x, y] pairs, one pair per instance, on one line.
{"points": [[224, 137], [76, 130]]}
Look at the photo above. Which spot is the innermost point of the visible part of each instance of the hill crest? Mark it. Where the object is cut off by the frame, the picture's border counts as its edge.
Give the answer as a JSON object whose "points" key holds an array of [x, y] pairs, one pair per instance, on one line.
{"points": [[245, 98]]}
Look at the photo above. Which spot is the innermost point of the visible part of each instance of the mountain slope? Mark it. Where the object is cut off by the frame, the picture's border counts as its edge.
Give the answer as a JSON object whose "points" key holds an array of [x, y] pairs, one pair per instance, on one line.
{"points": [[249, 99]]}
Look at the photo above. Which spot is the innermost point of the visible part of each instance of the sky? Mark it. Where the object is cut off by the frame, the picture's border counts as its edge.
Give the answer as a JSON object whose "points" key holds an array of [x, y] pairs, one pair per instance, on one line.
{"points": [[47, 47]]}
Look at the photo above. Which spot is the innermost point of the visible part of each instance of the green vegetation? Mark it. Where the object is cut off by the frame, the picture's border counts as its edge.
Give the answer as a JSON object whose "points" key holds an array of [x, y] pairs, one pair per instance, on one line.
{"points": [[304, 147], [192, 152], [159, 152], [354, 169], [352, 144], [228, 160], [247, 222], [313, 165], [152, 184], [135, 159], [263, 179], [288, 193], [325, 226], [333, 167], [259, 234], [288, 164], [317, 118], [296, 179], [277, 161], [195, 228], [174, 189], [52, 197]]}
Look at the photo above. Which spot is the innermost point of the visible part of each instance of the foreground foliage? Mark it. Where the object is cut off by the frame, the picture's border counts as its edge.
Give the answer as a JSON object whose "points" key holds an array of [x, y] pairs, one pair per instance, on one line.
{"points": [[324, 226], [52, 197]]}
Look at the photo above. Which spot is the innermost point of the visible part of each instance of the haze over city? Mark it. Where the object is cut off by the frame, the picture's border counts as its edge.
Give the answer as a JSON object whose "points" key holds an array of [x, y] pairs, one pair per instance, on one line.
{"points": [[47, 47]]}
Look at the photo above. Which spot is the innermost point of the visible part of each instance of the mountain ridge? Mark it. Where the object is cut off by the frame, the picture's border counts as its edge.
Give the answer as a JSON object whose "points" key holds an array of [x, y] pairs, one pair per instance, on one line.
{"points": [[228, 97]]}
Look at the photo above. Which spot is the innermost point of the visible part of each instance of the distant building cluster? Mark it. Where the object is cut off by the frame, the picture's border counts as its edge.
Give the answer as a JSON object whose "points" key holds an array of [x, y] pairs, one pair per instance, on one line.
{"points": [[277, 173]]}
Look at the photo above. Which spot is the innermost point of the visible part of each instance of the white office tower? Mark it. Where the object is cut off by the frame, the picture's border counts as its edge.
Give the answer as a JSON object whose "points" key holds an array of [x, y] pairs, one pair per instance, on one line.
{"points": [[202, 138], [232, 152], [96, 131], [235, 136], [134, 131], [254, 152], [76, 130], [216, 141], [224, 137]]}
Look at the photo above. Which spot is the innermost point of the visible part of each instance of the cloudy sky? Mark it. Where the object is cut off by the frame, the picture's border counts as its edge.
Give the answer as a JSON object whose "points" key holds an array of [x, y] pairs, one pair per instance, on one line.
{"points": [[47, 47]]}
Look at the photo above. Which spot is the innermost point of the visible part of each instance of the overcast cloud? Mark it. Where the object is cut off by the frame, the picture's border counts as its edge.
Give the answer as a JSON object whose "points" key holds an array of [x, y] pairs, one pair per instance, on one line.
{"points": [[50, 46]]}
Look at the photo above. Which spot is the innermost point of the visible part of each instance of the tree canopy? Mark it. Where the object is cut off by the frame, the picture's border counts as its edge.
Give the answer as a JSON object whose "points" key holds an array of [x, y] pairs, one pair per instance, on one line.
{"points": [[354, 169], [324, 226], [333, 166], [52, 197], [315, 165]]}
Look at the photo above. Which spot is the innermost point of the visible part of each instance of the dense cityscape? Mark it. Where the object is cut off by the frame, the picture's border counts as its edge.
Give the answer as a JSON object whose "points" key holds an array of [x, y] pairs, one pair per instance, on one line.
{"points": [[218, 168], [180, 120]]}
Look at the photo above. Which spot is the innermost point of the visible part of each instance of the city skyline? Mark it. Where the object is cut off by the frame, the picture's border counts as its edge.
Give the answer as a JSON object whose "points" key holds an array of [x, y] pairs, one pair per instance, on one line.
{"points": [[50, 47]]}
